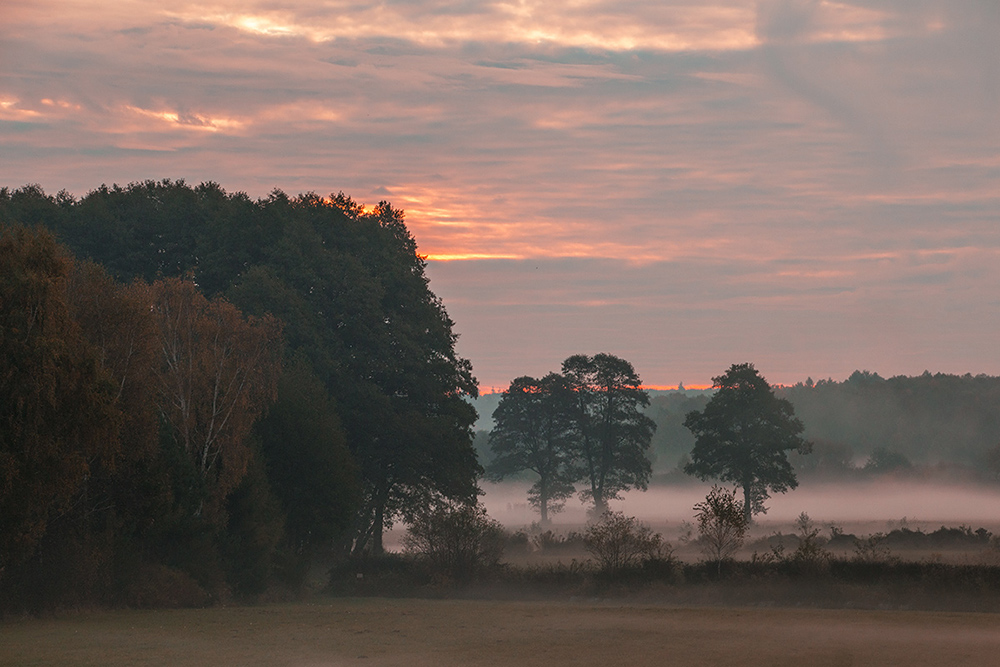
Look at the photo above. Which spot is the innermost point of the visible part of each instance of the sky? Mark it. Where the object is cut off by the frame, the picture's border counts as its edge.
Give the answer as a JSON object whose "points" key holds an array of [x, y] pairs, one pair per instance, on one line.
{"points": [[810, 186]]}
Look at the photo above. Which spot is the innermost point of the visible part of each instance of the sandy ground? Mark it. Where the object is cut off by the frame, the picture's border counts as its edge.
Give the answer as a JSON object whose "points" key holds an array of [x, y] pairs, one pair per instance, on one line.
{"points": [[376, 632]]}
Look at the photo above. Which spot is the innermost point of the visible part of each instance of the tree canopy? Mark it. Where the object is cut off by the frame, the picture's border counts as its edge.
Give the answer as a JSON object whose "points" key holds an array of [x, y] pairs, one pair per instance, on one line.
{"points": [[535, 431], [613, 434], [743, 436], [196, 443], [585, 424]]}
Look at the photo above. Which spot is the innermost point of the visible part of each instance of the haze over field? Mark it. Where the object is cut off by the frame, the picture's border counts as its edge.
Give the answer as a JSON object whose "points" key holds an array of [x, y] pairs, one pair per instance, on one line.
{"points": [[880, 503], [812, 186]]}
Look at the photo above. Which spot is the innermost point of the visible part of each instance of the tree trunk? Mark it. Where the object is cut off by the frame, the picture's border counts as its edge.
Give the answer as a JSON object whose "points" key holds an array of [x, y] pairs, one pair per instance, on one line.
{"points": [[377, 547], [747, 506], [543, 503]]}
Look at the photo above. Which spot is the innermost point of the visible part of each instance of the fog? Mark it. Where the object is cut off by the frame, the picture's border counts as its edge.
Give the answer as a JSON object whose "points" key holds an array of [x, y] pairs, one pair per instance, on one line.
{"points": [[878, 504]]}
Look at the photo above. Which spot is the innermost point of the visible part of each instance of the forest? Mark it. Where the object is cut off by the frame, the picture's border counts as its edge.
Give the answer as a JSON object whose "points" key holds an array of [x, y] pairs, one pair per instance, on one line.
{"points": [[202, 393]]}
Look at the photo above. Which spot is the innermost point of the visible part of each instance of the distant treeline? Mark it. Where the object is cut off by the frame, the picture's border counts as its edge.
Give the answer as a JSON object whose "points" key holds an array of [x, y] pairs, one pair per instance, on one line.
{"points": [[865, 424], [202, 393]]}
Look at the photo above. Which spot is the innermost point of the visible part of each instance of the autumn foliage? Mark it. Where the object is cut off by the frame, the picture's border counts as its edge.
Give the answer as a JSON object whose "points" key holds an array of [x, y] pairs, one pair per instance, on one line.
{"points": [[205, 395], [217, 372], [89, 370]]}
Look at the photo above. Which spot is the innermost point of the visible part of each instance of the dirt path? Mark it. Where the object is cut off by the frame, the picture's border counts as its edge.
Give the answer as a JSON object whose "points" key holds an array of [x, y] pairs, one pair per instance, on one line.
{"points": [[375, 632]]}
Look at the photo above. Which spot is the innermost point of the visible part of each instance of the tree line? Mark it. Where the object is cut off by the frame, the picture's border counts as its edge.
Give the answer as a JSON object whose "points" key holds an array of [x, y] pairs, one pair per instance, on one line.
{"points": [[205, 386]]}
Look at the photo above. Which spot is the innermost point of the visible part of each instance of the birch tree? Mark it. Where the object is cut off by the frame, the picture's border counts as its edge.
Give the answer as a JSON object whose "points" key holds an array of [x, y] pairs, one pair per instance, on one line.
{"points": [[218, 371]]}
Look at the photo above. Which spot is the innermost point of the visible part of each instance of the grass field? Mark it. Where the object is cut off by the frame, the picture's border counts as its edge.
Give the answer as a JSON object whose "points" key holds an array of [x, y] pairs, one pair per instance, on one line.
{"points": [[374, 631]]}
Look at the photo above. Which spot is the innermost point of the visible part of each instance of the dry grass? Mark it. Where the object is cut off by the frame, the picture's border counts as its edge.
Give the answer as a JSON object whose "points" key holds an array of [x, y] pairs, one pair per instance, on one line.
{"points": [[376, 632]]}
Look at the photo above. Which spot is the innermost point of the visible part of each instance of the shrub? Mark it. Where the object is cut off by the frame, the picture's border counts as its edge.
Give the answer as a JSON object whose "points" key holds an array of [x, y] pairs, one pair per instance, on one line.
{"points": [[873, 549], [459, 540], [550, 541], [722, 525], [810, 551], [618, 542]]}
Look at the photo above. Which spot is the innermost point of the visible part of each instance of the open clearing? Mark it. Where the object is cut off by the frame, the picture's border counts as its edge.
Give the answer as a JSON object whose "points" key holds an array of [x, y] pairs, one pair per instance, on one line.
{"points": [[376, 631]]}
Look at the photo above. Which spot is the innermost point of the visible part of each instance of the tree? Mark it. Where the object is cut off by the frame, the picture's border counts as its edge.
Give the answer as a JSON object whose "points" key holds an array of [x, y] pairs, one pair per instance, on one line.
{"points": [[722, 524], [742, 436], [613, 435], [309, 465], [534, 431], [218, 372], [57, 405]]}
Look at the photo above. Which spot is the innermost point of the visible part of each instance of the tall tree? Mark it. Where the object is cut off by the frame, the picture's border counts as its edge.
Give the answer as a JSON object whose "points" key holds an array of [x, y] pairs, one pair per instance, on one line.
{"points": [[613, 435], [535, 431], [57, 405], [742, 436], [308, 462], [218, 371]]}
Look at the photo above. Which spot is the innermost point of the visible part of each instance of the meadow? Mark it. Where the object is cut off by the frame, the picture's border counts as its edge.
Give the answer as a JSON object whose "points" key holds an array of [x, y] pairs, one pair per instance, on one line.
{"points": [[379, 631]]}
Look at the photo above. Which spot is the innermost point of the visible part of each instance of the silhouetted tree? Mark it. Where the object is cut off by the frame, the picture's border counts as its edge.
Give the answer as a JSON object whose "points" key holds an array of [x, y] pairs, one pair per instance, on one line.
{"points": [[534, 430], [742, 436], [613, 434]]}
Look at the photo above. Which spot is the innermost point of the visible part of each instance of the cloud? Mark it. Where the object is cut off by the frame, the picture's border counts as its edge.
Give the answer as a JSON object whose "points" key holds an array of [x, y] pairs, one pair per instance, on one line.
{"points": [[794, 178]]}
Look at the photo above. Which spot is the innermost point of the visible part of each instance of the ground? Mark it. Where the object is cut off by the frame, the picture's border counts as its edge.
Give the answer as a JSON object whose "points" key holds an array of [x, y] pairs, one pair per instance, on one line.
{"points": [[414, 632]]}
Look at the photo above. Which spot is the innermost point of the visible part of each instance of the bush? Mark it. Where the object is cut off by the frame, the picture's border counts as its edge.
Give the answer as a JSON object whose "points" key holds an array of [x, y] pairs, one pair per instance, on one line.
{"points": [[618, 542], [550, 541], [873, 549], [459, 540], [810, 551], [722, 525]]}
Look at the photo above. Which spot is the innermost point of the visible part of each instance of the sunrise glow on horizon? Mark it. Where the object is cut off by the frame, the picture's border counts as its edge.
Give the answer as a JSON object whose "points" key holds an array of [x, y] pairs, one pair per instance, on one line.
{"points": [[809, 185]]}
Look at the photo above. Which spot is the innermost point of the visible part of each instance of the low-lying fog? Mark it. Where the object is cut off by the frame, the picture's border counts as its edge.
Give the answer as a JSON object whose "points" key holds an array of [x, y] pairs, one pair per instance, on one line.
{"points": [[861, 508], [888, 502]]}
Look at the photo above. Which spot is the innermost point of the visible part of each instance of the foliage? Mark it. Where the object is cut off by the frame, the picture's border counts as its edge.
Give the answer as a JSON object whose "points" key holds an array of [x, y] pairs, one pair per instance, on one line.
{"points": [[253, 533], [672, 441], [351, 292], [927, 418], [458, 539], [810, 551], [310, 468], [219, 370], [57, 404], [742, 436], [722, 524], [620, 542], [884, 460], [613, 435], [535, 431], [873, 549]]}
